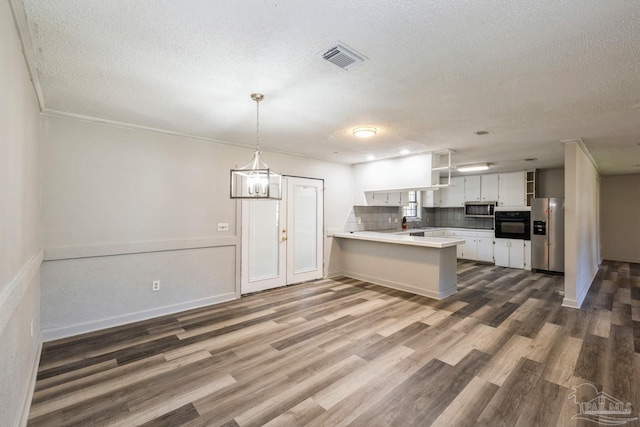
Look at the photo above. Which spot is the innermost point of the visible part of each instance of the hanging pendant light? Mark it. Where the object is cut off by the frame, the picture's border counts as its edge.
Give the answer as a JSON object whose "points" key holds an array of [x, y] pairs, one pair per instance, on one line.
{"points": [[255, 180]]}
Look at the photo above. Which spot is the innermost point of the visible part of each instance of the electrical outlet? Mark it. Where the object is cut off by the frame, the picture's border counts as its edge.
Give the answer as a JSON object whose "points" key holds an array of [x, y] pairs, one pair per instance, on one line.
{"points": [[389, 220], [359, 220], [155, 286], [223, 226], [395, 220]]}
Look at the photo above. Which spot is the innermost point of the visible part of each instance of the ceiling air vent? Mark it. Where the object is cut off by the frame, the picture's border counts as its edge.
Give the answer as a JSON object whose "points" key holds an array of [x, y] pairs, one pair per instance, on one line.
{"points": [[344, 57]]}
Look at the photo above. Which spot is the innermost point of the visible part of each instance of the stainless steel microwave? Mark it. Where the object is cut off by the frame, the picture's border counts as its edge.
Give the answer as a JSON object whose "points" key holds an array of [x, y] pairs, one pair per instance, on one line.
{"points": [[480, 209]]}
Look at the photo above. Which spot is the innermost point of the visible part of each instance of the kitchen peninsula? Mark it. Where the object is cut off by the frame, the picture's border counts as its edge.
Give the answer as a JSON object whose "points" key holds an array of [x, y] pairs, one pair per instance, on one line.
{"points": [[420, 265]]}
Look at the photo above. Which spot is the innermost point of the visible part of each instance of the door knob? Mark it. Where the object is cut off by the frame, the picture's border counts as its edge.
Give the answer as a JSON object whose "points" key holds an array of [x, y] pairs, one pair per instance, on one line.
{"points": [[284, 230], [283, 239]]}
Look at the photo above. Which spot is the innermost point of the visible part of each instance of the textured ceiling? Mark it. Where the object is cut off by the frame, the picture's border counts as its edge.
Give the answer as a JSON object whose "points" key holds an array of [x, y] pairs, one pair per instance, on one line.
{"points": [[532, 73]]}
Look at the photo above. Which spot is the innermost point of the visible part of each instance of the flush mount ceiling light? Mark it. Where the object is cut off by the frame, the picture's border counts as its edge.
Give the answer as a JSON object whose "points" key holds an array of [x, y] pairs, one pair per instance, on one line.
{"points": [[365, 132], [473, 168], [255, 180]]}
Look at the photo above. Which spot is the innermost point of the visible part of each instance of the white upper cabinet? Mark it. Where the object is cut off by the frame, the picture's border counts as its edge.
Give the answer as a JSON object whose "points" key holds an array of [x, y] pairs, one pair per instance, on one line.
{"points": [[489, 188], [431, 198], [472, 188], [481, 188], [377, 199], [399, 198], [511, 189], [453, 196]]}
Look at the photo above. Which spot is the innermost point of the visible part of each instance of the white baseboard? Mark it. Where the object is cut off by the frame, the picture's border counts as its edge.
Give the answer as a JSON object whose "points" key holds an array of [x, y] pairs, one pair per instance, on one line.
{"points": [[69, 331], [629, 260], [401, 286], [571, 303], [577, 303], [26, 406]]}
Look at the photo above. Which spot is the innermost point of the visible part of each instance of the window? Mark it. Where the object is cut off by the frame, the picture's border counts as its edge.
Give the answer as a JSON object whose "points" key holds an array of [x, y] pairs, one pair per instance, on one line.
{"points": [[412, 208]]}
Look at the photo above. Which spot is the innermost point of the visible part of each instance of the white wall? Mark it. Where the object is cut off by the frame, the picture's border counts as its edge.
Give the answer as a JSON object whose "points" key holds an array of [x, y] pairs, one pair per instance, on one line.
{"points": [[392, 174], [620, 209], [20, 254], [123, 207], [582, 238]]}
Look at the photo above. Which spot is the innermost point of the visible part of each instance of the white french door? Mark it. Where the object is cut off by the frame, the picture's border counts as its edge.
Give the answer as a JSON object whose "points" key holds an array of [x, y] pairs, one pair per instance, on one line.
{"points": [[282, 240]]}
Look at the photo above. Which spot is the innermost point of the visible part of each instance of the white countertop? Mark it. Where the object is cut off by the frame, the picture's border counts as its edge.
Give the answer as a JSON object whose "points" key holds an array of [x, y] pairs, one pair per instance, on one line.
{"points": [[429, 229], [400, 239]]}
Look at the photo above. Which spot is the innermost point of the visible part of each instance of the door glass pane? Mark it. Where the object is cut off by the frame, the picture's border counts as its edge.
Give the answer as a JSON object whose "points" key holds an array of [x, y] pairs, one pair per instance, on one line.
{"points": [[263, 239], [305, 243]]}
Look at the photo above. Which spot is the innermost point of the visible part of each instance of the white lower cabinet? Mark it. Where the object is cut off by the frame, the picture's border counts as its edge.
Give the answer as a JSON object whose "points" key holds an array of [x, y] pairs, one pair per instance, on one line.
{"points": [[513, 253], [484, 250], [469, 249], [458, 235], [501, 252], [478, 245]]}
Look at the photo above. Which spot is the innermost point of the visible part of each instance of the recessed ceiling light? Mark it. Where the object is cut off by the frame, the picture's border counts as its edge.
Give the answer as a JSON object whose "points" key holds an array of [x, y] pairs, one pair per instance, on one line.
{"points": [[404, 152], [473, 168], [481, 132], [364, 132], [371, 157]]}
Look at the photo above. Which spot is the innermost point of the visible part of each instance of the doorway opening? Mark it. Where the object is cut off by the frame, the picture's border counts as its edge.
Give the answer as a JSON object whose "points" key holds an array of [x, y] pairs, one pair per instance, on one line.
{"points": [[282, 240]]}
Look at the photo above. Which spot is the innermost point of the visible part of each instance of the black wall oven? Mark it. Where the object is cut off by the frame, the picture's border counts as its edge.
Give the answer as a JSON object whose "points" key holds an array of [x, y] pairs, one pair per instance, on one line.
{"points": [[513, 223]]}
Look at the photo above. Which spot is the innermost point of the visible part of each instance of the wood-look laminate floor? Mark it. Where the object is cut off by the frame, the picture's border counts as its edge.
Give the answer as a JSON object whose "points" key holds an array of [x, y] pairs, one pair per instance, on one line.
{"points": [[502, 351]]}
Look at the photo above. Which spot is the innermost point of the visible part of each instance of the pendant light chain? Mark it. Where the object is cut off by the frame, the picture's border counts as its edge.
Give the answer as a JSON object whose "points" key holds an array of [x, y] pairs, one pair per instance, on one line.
{"points": [[257, 124]]}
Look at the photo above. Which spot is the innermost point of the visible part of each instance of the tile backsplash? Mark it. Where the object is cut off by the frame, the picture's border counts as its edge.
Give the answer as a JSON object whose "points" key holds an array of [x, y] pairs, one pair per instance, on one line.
{"points": [[374, 218], [454, 217], [377, 218]]}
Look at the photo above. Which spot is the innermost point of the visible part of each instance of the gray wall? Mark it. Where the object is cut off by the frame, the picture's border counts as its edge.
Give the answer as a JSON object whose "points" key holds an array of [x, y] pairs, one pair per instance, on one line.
{"points": [[550, 182], [20, 254], [620, 217], [123, 207]]}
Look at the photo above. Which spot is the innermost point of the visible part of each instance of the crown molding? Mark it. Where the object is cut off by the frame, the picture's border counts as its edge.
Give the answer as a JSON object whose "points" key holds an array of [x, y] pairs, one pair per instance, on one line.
{"points": [[22, 26], [580, 143]]}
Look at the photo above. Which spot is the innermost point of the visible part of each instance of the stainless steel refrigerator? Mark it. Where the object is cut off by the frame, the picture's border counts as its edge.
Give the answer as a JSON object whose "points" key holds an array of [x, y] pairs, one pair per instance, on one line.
{"points": [[547, 234]]}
